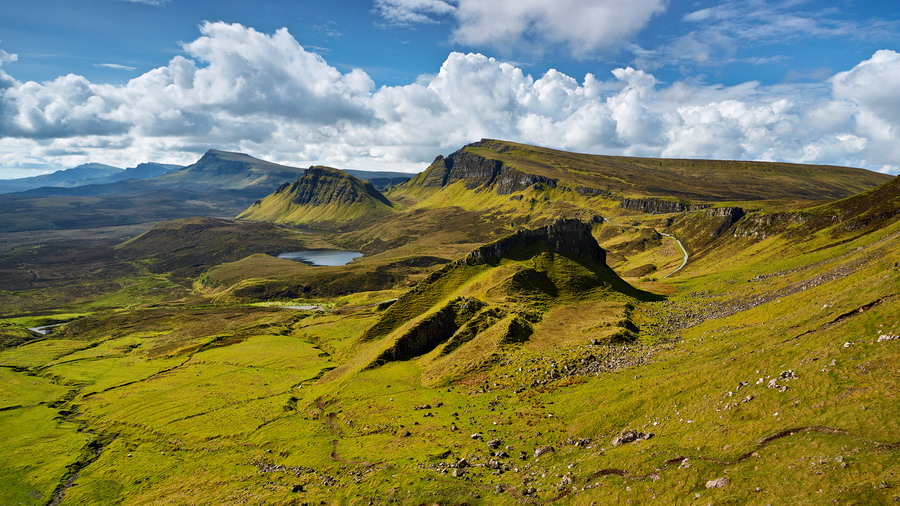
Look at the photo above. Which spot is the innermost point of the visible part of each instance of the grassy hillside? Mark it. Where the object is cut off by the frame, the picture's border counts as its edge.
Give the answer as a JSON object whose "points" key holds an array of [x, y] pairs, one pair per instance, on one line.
{"points": [[464, 360], [695, 180], [324, 198]]}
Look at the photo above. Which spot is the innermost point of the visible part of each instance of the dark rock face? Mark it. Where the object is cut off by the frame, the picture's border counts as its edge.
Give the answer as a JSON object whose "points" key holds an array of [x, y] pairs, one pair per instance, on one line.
{"points": [[760, 226], [433, 330], [476, 171], [732, 213], [591, 192], [324, 185], [567, 237], [657, 206]]}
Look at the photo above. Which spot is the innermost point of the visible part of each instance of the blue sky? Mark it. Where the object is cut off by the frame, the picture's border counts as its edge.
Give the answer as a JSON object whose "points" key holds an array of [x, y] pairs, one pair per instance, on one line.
{"points": [[392, 83]]}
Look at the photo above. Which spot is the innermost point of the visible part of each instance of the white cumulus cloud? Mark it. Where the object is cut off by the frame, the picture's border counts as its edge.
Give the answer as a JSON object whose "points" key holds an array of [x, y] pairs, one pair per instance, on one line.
{"points": [[238, 89]]}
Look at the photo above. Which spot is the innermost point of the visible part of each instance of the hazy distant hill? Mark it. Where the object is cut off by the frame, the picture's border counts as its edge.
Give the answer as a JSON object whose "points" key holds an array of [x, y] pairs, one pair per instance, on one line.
{"points": [[83, 174], [86, 174], [219, 184]]}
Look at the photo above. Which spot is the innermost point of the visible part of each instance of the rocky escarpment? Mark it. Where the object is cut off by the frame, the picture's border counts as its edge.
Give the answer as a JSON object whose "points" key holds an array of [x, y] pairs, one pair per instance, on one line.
{"points": [[567, 237], [323, 197], [475, 170], [324, 185], [659, 206], [433, 330]]}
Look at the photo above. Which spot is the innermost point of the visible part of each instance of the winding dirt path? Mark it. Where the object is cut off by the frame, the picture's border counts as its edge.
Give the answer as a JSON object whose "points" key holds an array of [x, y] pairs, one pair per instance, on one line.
{"points": [[683, 251]]}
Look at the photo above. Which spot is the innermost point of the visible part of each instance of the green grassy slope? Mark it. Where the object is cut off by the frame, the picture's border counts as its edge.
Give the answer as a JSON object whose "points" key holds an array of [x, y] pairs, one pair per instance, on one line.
{"points": [[324, 197], [700, 180], [506, 375]]}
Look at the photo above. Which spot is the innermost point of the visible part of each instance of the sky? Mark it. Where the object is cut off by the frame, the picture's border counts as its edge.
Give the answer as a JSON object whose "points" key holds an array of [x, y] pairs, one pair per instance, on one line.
{"points": [[390, 84]]}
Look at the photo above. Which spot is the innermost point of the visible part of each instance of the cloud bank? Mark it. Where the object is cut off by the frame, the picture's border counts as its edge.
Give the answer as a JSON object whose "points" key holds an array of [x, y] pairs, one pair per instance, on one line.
{"points": [[236, 88]]}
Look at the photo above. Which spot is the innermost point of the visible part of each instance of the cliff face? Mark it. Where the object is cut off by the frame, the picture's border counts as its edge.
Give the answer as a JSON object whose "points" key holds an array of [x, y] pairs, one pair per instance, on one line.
{"points": [[324, 185], [658, 206], [566, 237], [323, 197], [476, 171]]}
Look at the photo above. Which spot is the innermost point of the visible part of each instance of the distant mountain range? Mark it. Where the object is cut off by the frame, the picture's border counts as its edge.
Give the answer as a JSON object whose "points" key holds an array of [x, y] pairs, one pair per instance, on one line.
{"points": [[86, 174], [219, 184]]}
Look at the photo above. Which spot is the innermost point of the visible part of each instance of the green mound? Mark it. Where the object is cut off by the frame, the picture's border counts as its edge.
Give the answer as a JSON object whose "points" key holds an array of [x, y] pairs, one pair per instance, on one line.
{"points": [[463, 313], [324, 198]]}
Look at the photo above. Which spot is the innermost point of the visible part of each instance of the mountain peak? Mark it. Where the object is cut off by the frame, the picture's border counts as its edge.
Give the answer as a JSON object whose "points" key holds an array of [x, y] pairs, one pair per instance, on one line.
{"points": [[322, 195]]}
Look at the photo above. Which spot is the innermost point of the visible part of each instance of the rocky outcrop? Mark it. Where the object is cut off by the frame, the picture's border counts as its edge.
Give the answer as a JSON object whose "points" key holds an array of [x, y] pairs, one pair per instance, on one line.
{"points": [[760, 226], [324, 185], [659, 206], [433, 330], [584, 191], [571, 238], [475, 170], [732, 214]]}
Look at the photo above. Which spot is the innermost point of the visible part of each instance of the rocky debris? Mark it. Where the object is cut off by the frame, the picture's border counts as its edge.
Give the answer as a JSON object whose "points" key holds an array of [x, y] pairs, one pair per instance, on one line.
{"points": [[630, 436], [297, 488], [717, 483], [404, 433], [268, 467], [543, 450], [424, 406], [581, 441], [500, 454], [886, 337], [494, 443], [774, 385], [565, 482], [459, 472], [787, 375], [461, 464]]}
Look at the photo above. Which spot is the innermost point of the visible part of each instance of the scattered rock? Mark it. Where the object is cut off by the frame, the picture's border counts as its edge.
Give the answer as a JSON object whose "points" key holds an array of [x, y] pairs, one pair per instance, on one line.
{"points": [[717, 483], [787, 375], [297, 488], [404, 433], [494, 443], [458, 472], [541, 450], [774, 385], [887, 337], [629, 436], [476, 436], [461, 464]]}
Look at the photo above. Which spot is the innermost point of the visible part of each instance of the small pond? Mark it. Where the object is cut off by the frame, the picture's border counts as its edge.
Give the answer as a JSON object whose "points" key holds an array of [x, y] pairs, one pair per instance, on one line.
{"points": [[322, 256]]}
